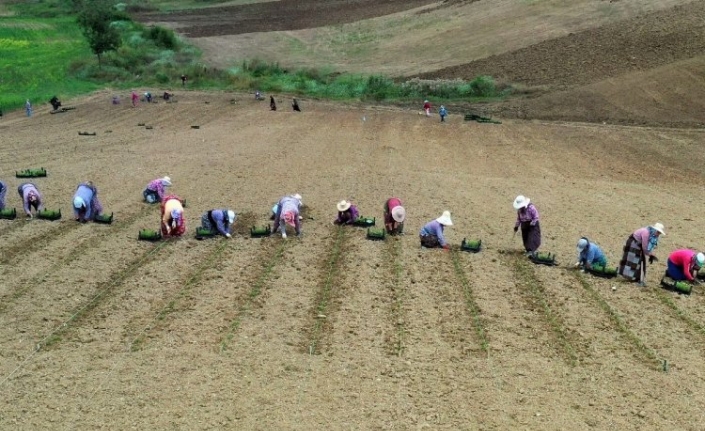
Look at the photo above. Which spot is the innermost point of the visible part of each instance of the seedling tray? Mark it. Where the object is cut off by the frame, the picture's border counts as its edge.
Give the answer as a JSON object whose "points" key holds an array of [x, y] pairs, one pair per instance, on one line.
{"points": [[682, 287], [472, 246], [104, 218], [601, 271], [480, 119], [364, 222], [8, 214], [376, 234], [202, 233], [260, 231], [49, 215], [543, 258], [149, 235], [31, 173]]}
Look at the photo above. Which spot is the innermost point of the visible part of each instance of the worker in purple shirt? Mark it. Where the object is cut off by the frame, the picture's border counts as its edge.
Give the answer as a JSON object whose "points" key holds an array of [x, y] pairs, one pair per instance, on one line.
{"points": [[288, 209], [30, 198], [347, 213], [85, 202], [528, 221], [156, 190], [220, 220], [3, 191], [431, 235]]}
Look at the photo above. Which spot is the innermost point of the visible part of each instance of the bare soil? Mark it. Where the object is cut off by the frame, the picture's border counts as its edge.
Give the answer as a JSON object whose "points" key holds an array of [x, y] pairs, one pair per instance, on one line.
{"points": [[100, 330]]}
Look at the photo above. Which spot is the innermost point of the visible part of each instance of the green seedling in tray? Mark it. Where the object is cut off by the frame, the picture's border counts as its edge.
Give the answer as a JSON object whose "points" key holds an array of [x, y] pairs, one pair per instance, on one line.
{"points": [[472, 246], [8, 214], [601, 271], [202, 233], [260, 231], [364, 221], [149, 235], [104, 218], [677, 286], [31, 173], [49, 214], [543, 258], [376, 234]]}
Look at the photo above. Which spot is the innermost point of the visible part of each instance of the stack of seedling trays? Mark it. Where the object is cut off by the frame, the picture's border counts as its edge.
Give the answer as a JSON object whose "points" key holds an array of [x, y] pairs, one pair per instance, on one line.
{"points": [[149, 235], [602, 271], [31, 173], [364, 222], [49, 214], [376, 234], [677, 286], [471, 246], [8, 214], [103, 218], [203, 233], [260, 231], [543, 258]]}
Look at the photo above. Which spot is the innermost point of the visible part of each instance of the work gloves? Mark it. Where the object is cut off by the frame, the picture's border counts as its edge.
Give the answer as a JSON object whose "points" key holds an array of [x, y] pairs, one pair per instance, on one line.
{"points": [[516, 228]]}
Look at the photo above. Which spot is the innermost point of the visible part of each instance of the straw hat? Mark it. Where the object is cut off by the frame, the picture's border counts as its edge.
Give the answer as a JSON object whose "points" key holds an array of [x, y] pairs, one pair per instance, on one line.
{"points": [[445, 219], [78, 202], [343, 205], [166, 181], [521, 202], [582, 243], [231, 216], [659, 228], [398, 214]]}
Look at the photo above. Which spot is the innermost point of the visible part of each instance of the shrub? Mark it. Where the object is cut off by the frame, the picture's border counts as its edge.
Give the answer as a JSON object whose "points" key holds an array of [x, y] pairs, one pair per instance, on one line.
{"points": [[162, 37]]}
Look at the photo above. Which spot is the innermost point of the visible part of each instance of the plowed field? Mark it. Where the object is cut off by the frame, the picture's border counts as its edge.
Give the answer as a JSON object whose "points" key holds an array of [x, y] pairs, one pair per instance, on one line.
{"points": [[330, 330]]}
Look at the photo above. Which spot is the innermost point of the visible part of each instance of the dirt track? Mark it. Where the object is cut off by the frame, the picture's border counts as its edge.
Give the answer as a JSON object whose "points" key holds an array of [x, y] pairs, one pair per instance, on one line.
{"points": [[211, 334]]}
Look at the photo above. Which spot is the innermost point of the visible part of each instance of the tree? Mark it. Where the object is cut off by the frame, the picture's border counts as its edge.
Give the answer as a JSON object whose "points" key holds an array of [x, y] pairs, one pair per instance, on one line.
{"points": [[94, 18]]}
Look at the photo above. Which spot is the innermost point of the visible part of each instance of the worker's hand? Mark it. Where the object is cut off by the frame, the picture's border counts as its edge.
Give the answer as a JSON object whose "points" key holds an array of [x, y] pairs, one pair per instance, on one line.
{"points": [[29, 215], [577, 265], [446, 247], [516, 228], [227, 235], [653, 259]]}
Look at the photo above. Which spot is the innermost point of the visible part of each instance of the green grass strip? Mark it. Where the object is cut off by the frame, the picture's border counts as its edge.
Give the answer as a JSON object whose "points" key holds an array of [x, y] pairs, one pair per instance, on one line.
{"points": [[470, 302], [393, 251], [255, 291], [324, 293], [618, 321], [524, 270], [115, 281]]}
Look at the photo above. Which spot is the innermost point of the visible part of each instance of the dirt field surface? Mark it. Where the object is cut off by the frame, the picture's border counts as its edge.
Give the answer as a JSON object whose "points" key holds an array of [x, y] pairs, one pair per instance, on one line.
{"points": [[332, 331]]}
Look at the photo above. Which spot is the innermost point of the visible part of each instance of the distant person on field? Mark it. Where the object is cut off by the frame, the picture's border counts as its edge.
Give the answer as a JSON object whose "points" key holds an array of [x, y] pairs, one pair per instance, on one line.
{"points": [[427, 107], [156, 190], [684, 264], [183, 80], [258, 95], [85, 202], [30, 198], [443, 113], [295, 106], [116, 100], [28, 108], [219, 220], [431, 235], [347, 213], [148, 97], [172, 210], [3, 191], [589, 254], [288, 209], [272, 104], [394, 215], [135, 99], [528, 222], [55, 103], [167, 96]]}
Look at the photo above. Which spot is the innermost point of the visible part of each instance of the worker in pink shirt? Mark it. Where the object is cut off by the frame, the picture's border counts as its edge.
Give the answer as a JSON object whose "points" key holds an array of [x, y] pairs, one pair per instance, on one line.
{"points": [[684, 264]]}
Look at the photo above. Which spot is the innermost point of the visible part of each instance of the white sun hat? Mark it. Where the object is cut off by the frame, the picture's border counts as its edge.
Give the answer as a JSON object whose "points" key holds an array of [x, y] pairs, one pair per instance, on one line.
{"points": [[166, 181], [231, 216], [445, 219], [398, 214], [520, 202], [343, 205], [582, 243], [78, 202], [659, 228]]}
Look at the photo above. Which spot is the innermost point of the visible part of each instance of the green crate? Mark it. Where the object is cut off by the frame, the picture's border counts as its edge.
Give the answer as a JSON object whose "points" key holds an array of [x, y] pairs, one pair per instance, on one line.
{"points": [[8, 214], [103, 218], [31, 173], [149, 235], [260, 231], [376, 234], [604, 272], [543, 258], [364, 221], [49, 214], [203, 233], [677, 286], [472, 246]]}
